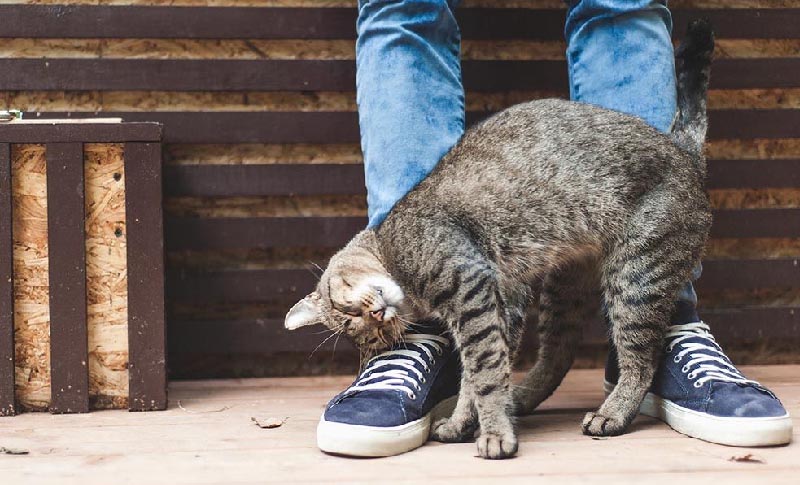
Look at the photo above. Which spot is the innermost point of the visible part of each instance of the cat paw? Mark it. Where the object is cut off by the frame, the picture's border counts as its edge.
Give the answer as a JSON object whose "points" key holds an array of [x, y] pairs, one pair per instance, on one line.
{"points": [[494, 446], [448, 431], [595, 424]]}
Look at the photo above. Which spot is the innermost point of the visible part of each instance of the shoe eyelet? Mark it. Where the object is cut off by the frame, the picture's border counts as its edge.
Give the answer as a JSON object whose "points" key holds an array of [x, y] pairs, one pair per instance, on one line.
{"points": [[423, 380], [685, 369], [676, 359], [669, 348], [413, 396], [691, 375], [696, 384]]}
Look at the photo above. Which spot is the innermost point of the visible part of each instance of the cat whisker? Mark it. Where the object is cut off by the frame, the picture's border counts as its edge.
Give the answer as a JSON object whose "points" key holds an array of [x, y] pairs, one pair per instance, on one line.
{"points": [[316, 275], [322, 343]]}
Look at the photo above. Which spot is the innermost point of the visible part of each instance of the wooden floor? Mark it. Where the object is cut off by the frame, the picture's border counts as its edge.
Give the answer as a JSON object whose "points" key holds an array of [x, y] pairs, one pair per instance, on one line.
{"points": [[207, 436]]}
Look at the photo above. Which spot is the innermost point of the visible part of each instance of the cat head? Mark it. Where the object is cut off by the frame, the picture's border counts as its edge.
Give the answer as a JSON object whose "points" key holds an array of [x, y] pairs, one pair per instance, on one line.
{"points": [[356, 296]]}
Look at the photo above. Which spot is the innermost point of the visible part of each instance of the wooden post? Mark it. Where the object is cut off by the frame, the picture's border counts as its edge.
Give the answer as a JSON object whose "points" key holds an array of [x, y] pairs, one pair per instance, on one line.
{"points": [[7, 407], [146, 312], [67, 258]]}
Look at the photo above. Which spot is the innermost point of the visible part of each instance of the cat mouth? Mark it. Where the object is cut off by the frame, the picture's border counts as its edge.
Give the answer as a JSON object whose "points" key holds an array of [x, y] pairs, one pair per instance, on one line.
{"points": [[384, 313]]}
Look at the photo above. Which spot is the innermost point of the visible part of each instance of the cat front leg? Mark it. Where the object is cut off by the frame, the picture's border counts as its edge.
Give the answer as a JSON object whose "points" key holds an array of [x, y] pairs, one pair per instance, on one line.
{"points": [[461, 425], [475, 313]]}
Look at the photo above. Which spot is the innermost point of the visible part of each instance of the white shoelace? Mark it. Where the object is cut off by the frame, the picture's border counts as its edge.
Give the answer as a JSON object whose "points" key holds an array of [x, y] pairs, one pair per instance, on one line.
{"points": [[706, 362], [408, 377]]}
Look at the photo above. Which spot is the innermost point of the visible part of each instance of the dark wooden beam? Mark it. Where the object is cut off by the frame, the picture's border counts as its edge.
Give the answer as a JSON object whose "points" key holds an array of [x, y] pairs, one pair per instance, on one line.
{"points": [[342, 126], [100, 21], [7, 393], [146, 312], [321, 75], [78, 132], [259, 180], [761, 223], [69, 367], [344, 179], [267, 336], [260, 232]]}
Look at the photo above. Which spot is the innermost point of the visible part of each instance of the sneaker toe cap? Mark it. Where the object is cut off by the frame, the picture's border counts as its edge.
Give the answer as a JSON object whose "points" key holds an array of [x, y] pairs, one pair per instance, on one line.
{"points": [[733, 400], [368, 410]]}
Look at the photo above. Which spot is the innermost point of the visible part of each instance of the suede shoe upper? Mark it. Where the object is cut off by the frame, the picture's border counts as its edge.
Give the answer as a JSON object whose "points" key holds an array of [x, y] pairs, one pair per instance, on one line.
{"points": [[695, 373], [400, 385]]}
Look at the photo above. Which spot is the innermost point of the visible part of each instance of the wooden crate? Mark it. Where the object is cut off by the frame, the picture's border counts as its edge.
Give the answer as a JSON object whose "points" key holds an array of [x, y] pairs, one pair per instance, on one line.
{"points": [[81, 267], [263, 169]]}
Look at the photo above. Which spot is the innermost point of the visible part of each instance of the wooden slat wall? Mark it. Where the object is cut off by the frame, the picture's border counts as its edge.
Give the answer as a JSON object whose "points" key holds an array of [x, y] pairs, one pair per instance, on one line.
{"points": [[263, 169]]}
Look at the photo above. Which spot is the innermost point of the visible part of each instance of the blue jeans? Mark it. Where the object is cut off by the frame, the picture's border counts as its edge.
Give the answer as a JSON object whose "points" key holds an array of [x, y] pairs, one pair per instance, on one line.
{"points": [[411, 99]]}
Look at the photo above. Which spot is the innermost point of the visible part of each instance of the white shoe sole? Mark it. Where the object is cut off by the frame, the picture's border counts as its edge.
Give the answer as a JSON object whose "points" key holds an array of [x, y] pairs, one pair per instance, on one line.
{"points": [[374, 441], [767, 431]]}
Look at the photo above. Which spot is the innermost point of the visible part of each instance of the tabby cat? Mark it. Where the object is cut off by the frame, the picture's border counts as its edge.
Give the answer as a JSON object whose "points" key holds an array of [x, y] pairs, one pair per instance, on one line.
{"points": [[562, 195]]}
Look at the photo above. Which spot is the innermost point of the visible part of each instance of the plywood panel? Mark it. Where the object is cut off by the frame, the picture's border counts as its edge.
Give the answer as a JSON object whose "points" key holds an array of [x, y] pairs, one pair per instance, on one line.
{"points": [[106, 274], [31, 278]]}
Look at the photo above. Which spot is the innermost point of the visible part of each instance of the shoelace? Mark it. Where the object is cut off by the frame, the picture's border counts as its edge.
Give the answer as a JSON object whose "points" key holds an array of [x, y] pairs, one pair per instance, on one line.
{"points": [[707, 362], [420, 349]]}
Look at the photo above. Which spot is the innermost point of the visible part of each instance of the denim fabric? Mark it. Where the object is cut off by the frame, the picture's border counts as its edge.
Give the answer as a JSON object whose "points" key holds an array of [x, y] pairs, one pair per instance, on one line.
{"points": [[620, 57], [411, 99], [409, 93]]}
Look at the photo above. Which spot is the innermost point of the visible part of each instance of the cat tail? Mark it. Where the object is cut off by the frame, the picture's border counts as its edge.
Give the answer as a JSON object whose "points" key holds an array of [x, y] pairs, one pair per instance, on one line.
{"points": [[693, 66]]}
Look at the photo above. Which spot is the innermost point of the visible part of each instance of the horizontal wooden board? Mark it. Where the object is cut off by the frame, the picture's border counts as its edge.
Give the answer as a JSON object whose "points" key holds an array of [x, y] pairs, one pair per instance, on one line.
{"points": [[265, 336], [233, 286], [258, 180], [754, 174], [82, 21], [240, 286], [324, 179], [760, 223], [259, 336], [342, 126], [266, 232], [315, 75], [79, 132], [752, 274]]}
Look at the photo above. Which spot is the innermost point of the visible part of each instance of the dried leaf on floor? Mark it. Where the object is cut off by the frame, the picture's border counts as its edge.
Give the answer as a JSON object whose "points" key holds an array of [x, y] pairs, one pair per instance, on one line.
{"points": [[268, 423], [748, 458]]}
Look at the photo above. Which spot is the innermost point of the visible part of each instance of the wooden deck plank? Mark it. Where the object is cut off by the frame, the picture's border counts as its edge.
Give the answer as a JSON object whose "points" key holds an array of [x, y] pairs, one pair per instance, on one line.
{"points": [[210, 439]]}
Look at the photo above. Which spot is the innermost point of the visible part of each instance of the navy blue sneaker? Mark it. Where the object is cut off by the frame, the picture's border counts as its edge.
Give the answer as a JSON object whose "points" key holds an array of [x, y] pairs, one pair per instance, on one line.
{"points": [[389, 408], [699, 392]]}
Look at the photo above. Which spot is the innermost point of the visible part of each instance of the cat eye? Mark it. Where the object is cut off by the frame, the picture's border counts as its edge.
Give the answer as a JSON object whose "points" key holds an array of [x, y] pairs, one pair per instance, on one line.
{"points": [[353, 313]]}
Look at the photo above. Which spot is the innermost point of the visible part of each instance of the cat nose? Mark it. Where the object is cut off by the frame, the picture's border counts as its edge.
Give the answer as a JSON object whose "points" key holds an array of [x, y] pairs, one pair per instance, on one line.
{"points": [[378, 314]]}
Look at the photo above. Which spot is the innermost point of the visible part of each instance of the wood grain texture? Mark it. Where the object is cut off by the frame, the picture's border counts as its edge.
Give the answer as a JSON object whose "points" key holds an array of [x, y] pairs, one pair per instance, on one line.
{"points": [[7, 394], [31, 277], [67, 268], [214, 425], [106, 275]]}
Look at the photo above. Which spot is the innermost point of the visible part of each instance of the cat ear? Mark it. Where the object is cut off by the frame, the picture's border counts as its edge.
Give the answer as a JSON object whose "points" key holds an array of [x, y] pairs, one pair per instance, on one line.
{"points": [[305, 312]]}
